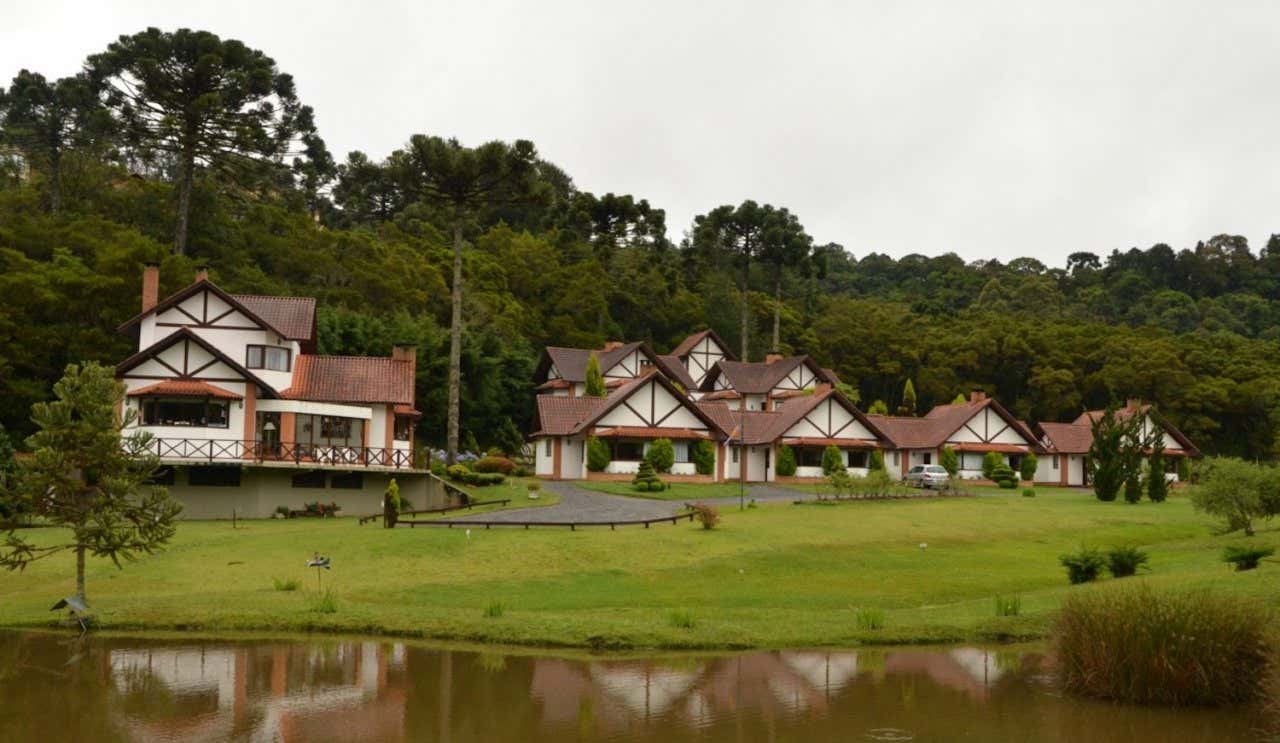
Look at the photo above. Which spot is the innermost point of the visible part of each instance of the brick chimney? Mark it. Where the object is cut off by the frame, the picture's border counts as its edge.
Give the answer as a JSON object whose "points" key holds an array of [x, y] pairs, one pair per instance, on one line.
{"points": [[977, 395], [773, 356], [612, 346], [150, 286], [202, 274]]}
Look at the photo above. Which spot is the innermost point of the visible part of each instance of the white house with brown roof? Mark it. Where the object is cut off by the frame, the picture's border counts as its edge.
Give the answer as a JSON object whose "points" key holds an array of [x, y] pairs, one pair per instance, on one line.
{"points": [[627, 420], [764, 385], [563, 371], [972, 429], [1068, 444], [246, 416]]}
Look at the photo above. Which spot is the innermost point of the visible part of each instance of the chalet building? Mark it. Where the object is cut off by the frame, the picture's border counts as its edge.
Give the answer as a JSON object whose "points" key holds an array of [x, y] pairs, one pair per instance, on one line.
{"points": [[628, 420], [1068, 444], [764, 385], [563, 371], [972, 429], [245, 415]]}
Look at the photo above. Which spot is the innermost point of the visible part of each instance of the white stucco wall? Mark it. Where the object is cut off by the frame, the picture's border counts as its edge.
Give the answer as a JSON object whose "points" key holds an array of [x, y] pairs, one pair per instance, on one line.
{"points": [[235, 417], [544, 456], [573, 464]]}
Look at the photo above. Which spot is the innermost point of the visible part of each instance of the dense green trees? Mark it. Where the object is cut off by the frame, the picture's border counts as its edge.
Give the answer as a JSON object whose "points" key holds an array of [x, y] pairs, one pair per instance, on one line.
{"points": [[1195, 331]]}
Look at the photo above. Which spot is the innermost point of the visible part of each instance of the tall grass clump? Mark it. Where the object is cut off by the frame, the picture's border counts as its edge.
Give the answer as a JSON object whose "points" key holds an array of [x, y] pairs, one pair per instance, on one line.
{"points": [[1163, 647], [495, 610], [682, 619], [1008, 606], [325, 603], [868, 618], [286, 584]]}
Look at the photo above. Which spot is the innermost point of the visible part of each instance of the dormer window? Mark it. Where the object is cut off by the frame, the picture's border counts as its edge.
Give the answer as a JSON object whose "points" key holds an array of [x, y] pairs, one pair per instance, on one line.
{"points": [[271, 358]]}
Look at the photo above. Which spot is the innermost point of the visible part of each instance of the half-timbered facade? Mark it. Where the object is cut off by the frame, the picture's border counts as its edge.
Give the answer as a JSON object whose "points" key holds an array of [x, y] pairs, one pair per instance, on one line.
{"points": [[563, 371], [246, 417], [764, 385], [1068, 444], [698, 355]]}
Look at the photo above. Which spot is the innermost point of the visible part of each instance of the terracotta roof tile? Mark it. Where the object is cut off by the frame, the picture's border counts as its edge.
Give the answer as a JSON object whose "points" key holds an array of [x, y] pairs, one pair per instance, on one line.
{"points": [[559, 415], [367, 379], [293, 317], [689, 342], [1068, 438], [572, 362], [675, 370], [185, 388]]}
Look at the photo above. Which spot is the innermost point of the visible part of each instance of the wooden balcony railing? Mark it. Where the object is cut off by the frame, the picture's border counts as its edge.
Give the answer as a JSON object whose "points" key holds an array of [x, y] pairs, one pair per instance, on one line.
{"points": [[314, 455]]}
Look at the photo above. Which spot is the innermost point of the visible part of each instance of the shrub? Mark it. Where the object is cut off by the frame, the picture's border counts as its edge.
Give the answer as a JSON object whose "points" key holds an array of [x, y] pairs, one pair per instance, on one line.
{"points": [[1125, 561], [1028, 493], [646, 479], [494, 610], [458, 472], [598, 456], [325, 603], [990, 461], [1238, 492], [286, 584], [876, 463], [832, 460], [393, 493], [438, 469], [484, 479], [703, 454], [949, 461], [1028, 466], [1083, 566], [1008, 606], [682, 618], [533, 487], [1133, 488], [1246, 558], [708, 516], [661, 454], [283, 511], [869, 619], [323, 510], [1004, 476], [521, 471], [786, 466], [1142, 646], [1184, 470], [494, 464], [841, 484]]}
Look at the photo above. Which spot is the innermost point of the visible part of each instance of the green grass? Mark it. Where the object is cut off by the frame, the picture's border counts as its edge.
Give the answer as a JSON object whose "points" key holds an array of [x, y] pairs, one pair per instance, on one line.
{"points": [[677, 491], [771, 576]]}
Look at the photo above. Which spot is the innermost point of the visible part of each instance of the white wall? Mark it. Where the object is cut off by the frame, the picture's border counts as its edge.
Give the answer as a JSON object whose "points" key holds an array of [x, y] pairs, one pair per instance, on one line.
{"points": [[985, 425], [235, 416], [573, 462], [544, 456], [816, 472]]}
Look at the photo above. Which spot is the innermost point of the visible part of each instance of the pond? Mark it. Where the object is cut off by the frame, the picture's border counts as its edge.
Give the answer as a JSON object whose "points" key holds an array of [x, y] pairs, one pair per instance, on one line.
{"points": [[57, 687]]}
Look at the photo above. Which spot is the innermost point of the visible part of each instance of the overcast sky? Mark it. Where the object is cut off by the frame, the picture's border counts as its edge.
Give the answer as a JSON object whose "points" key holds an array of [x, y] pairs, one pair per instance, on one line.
{"points": [[901, 128]]}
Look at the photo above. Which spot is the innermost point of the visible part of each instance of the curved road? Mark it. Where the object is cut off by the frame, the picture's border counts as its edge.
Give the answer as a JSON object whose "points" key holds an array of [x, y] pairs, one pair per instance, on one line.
{"points": [[589, 506]]}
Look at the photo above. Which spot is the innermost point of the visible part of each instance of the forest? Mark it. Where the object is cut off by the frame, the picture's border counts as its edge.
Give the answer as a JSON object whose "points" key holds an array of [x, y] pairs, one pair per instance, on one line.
{"points": [[191, 150]]}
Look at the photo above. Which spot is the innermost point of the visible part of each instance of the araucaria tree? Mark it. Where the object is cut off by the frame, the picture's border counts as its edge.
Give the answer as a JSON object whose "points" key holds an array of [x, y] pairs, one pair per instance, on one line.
{"points": [[458, 183], [202, 102], [595, 380], [85, 477], [744, 234], [45, 120]]}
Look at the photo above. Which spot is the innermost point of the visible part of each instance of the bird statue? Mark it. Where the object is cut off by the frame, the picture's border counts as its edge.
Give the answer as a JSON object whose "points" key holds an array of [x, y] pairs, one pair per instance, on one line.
{"points": [[77, 607], [318, 561]]}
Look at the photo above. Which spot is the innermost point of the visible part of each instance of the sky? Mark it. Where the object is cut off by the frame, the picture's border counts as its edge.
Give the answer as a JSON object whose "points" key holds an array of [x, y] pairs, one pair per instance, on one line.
{"points": [[992, 130]]}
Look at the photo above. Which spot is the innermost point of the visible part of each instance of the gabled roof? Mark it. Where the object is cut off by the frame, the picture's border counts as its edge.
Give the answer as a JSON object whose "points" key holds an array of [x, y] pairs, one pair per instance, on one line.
{"points": [[756, 422], [187, 334], [572, 362], [1067, 438], [940, 423], [675, 369], [557, 415], [688, 344], [184, 388], [357, 379], [290, 317], [758, 377], [620, 395], [1088, 417], [764, 427]]}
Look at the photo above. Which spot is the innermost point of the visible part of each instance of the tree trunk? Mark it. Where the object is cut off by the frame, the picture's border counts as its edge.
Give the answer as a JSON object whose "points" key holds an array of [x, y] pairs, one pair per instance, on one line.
{"points": [[455, 346], [80, 572], [185, 178], [55, 182], [746, 279], [777, 311]]}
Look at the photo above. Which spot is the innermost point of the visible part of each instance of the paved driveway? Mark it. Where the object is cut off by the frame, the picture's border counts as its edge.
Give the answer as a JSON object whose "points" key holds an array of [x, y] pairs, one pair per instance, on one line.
{"points": [[582, 506]]}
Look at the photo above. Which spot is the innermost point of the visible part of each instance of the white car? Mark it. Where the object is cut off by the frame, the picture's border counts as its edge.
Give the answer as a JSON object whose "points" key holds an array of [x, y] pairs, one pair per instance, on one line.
{"points": [[928, 476]]}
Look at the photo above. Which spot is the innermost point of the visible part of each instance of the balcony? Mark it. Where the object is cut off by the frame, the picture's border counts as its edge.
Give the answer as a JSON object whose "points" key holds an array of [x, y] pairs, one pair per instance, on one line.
{"points": [[285, 454]]}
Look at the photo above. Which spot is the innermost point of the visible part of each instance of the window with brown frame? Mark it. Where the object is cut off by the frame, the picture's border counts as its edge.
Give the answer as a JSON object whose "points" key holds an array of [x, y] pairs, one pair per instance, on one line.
{"points": [[271, 358], [188, 411], [404, 428]]}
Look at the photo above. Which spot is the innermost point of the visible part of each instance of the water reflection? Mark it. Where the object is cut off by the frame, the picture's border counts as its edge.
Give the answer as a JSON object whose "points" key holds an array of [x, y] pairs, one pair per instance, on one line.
{"points": [[55, 687]]}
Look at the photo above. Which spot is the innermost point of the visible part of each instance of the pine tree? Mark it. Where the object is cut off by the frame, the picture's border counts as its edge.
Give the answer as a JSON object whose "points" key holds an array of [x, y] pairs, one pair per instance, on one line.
{"points": [[646, 478], [908, 406], [1157, 485], [595, 379]]}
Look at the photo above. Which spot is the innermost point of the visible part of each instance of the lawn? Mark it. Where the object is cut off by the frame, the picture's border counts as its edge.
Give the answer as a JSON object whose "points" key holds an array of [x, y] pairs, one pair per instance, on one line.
{"points": [[772, 576], [678, 491]]}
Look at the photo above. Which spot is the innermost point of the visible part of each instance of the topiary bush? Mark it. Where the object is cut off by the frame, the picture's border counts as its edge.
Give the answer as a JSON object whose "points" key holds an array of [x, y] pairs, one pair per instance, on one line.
{"points": [[1004, 476], [1027, 467], [876, 463], [703, 454], [458, 472], [647, 479], [832, 460], [598, 456], [786, 466], [1028, 493], [1246, 558], [494, 464], [949, 460], [484, 479], [990, 461], [1084, 566], [662, 455]]}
